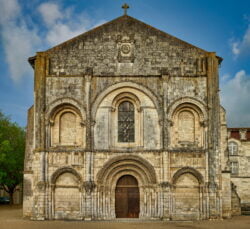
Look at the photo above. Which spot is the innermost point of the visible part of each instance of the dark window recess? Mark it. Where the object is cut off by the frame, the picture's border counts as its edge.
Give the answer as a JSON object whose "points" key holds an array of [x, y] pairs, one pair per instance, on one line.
{"points": [[126, 122]]}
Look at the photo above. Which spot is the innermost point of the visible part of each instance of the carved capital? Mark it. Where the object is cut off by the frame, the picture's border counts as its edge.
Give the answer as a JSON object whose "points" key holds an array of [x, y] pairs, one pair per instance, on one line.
{"points": [[83, 123], [165, 76], [112, 109], [89, 186], [165, 184], [41, 185], [51, 122], [93, 123], [140, 109], [170, 122], [161, 122], [203, 123]]}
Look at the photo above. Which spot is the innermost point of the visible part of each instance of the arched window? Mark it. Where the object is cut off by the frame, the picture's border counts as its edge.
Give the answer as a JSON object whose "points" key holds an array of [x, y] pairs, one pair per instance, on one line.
{"points": [[126, 122], [233, 148]]}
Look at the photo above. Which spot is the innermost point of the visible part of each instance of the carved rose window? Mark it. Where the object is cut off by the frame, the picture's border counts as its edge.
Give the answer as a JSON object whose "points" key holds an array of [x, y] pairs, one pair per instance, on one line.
{"points": [[126, 122]]}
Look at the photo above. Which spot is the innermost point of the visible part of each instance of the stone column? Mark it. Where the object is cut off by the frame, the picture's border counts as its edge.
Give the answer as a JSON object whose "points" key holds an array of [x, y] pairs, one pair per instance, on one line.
{"points": [[89, 183], [213, 106], [40, 134]]}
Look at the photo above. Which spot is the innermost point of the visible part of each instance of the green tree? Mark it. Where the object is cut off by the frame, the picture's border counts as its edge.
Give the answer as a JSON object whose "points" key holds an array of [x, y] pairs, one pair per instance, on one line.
{"points": [[12, 147]]}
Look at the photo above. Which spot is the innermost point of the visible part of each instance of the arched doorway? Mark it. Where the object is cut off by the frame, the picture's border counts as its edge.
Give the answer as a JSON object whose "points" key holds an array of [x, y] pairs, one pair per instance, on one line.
{"points": [[127, 200]]}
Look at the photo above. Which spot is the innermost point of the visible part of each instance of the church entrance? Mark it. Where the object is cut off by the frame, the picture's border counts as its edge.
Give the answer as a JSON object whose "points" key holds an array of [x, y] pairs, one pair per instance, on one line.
{"points": [[127, 200]]}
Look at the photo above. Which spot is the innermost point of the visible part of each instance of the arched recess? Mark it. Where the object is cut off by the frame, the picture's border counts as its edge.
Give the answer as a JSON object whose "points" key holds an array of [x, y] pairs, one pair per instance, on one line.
{"points": [[188, 119], [126, 165], [188, 200], [66, 126], [66, 194], [105, 114]]}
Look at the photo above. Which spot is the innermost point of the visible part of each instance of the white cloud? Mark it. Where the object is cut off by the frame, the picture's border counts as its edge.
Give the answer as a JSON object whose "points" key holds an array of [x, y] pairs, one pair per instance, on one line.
{"points": [[242, 47], [59, 22], [22, 36], [8, 10], [18, 40], [50, 12], [235, 97]]}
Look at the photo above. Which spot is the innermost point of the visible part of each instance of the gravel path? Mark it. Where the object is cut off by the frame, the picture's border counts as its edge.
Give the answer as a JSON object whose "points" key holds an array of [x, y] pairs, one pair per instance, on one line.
{"points": [[11, 218]]}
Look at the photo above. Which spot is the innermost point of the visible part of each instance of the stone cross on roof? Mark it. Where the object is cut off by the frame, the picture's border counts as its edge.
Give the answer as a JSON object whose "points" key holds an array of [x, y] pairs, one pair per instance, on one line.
{"points": [[125, 7]]}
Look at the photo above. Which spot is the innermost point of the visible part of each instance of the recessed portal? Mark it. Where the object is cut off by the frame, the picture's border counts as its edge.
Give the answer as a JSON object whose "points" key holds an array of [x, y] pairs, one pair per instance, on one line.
{"points": [[127, 199]]}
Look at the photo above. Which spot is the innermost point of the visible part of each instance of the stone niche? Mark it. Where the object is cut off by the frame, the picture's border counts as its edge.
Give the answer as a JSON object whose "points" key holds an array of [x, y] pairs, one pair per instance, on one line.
{"points": [[67, 197]]}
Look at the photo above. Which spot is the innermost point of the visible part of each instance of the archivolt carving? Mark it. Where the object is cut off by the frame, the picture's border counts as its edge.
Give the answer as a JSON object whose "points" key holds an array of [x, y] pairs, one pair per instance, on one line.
{"points": [[189, 118], [58, 103], [62, 170], [187, 169], [141, 88], [187, 100], [127, 165], [66, 125]]}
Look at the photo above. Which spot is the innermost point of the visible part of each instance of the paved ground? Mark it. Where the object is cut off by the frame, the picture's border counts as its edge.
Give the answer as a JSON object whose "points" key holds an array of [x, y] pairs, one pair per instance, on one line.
{"points": [[11, 218]]}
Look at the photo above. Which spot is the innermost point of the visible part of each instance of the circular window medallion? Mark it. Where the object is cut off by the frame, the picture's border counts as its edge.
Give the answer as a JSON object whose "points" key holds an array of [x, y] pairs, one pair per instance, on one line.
{"points": [[125, 48]]}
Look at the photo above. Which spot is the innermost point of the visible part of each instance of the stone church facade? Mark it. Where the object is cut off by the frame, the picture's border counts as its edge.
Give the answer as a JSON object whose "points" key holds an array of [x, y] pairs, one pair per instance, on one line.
{"points": [[127, 123]]}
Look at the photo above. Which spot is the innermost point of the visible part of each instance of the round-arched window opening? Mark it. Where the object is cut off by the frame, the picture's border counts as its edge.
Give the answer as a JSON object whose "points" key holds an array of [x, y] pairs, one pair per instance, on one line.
{"points": [[126, 122]]}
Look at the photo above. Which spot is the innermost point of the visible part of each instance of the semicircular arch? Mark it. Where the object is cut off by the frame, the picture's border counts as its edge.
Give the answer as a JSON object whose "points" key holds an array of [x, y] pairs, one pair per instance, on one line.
{"points": [[127, 164], [189, 170], [185, 101], [61, 103], [121, 85], [63, 170]]}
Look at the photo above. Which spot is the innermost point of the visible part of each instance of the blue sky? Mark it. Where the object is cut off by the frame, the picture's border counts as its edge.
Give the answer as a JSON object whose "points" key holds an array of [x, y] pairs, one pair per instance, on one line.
{"points": [[27, 26]]}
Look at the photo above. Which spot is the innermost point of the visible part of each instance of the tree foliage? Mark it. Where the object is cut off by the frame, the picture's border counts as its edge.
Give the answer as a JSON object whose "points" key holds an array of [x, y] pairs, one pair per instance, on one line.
{"points": [[12, 147]]}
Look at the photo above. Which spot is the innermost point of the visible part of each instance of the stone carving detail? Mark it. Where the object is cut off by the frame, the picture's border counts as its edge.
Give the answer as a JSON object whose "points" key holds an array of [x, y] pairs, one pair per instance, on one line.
{"points": [[89, 186], [125, 49], [40, 185], [165, 184]]}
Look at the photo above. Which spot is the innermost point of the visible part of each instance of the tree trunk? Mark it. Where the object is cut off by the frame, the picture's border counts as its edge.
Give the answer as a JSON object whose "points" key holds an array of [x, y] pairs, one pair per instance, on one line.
{"points": [[11, 197]]}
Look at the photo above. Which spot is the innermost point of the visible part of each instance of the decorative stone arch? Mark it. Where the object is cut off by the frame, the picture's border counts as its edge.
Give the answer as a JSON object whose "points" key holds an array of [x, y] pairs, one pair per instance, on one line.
{"points": [[127, 162], [185, 101], [188, 118], [118, 167], [190, 170], [146, 117], [126, 96], [54, 115], [62, 170], [66, 101], [116, 86]]}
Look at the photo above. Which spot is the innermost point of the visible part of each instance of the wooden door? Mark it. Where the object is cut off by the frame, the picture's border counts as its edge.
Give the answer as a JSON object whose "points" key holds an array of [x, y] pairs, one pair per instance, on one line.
{"points": [[127, 200]]}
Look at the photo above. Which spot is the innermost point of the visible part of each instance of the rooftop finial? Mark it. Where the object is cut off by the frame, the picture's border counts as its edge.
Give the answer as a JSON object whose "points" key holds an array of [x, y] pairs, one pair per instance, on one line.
{"points": [[125, 7]]}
